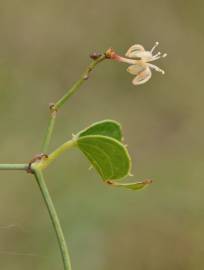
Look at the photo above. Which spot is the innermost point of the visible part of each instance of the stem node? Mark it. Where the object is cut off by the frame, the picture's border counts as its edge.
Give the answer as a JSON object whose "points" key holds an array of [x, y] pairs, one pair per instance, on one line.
{"points": [[95, 55], [36, 158], [53, 109]]}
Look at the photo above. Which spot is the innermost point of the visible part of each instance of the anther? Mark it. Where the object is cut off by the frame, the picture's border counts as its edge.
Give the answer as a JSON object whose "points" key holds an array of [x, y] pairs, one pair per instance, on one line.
{"points": [[155, 45]]}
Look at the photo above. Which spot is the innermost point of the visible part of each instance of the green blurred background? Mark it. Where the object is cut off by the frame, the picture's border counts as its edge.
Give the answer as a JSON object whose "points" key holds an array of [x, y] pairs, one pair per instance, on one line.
{"points": [[44, 47]]}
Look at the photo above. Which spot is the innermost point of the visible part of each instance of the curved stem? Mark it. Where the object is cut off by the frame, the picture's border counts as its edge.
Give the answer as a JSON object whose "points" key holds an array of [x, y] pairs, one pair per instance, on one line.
{"points": [[45, 162], [54, 218], [14, 167], [55, 107]]}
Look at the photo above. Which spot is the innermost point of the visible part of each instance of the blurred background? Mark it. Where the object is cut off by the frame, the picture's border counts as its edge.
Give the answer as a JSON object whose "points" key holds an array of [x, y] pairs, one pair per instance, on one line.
{"points": [[44, 47]]}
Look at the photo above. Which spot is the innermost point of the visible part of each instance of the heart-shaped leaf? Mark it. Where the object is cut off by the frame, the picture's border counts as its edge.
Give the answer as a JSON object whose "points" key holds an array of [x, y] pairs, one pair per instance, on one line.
{"points": [[107, 155], [101, 144], [107, 128]]}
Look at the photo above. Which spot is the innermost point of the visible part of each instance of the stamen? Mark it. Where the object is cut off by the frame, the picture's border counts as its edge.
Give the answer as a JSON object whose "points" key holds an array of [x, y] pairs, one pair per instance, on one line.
{"points": [[155, 57], [156, 68], [160, 70], [157, 54], [155, 45]]}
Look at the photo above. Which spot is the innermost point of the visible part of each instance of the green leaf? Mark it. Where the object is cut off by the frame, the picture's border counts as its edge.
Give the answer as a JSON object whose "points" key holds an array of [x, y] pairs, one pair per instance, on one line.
{"points": [[107, 155], [132, 186], [101, 144], [107, 128]]}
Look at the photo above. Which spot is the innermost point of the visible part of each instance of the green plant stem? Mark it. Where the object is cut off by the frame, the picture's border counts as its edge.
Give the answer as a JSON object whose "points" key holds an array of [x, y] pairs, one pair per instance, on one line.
{"points": [[78, 83], [14, 167], [61, 101], [49, 132], [45, 162], [54, 218]]}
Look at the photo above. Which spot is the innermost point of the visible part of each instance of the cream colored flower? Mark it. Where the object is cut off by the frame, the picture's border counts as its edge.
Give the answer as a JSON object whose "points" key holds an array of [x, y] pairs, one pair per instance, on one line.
{"points": [[139, 61], [141, 67]]}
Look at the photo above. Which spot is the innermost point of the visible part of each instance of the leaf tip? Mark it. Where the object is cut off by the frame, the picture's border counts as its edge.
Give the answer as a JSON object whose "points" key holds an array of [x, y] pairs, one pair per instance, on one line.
{"points": [[148, 181]]}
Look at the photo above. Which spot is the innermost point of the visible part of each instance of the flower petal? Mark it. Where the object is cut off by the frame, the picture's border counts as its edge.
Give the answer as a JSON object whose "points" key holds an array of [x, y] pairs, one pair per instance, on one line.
{"points": [[145, 56], [133, 50], [142, 77], [135, 69]]}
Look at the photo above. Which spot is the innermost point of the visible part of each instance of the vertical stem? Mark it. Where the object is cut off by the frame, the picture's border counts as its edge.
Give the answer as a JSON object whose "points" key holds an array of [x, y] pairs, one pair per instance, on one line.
{"points": [[54, 218], [49, 132]]}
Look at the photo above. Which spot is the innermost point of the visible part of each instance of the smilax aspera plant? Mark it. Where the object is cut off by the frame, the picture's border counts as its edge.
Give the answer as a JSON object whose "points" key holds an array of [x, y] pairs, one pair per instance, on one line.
{"points": [[101, 143]]}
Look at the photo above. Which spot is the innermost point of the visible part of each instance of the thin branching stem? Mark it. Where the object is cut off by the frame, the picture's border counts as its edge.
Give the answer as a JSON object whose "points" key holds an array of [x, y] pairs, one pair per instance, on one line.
{"points": [[37, 167], [54, 218], [55, 107], [14, 167], [49, 132], [45, 162]]}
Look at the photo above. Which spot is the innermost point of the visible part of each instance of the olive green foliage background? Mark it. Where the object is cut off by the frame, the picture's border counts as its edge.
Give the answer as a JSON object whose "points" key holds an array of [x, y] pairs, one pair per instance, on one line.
{"points": [[44, 47]]}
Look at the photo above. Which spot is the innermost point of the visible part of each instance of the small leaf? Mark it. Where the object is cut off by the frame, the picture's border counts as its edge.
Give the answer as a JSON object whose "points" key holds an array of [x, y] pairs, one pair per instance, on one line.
{"points": [[107, 128], [132, 186], [107, 155]]}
